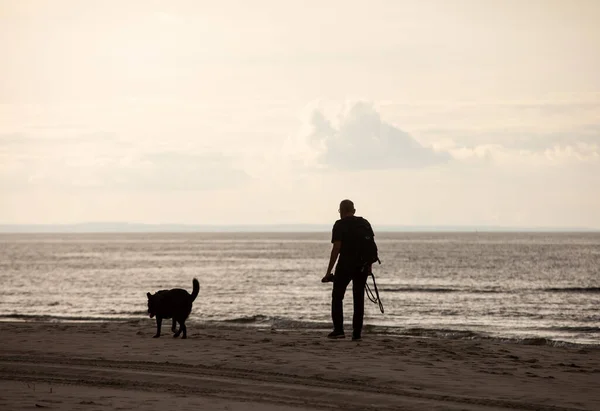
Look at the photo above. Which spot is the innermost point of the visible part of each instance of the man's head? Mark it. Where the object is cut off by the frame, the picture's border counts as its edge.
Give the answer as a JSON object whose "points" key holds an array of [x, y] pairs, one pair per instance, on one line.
{"points": [[346, 208]]}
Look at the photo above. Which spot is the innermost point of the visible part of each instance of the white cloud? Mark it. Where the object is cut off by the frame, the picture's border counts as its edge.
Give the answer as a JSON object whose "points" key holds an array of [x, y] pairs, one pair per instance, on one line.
{"points": [[550, 155], [357, 139]]}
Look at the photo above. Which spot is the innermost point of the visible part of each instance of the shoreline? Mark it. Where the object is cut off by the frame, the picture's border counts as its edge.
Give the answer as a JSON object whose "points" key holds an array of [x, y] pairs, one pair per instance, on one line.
{"points": [[247, 368], [321, 327]]}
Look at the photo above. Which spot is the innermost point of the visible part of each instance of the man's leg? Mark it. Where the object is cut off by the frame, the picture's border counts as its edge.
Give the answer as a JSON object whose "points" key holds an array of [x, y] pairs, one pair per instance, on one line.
{"points": [[340, 283], [358, 295]]}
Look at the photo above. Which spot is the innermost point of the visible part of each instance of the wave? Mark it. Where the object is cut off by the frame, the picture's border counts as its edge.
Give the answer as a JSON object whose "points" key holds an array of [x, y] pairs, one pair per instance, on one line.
{"points": [[573, 289], [440, 290], [581, 329], [456, 334], [60, 318], [134, 312], [252, 319], [488, 290], [419, 290], [430, 332], [274, 322]]}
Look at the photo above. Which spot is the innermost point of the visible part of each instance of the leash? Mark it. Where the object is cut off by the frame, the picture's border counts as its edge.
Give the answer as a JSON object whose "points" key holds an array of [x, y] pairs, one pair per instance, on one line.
{"points": [[373, 297]]}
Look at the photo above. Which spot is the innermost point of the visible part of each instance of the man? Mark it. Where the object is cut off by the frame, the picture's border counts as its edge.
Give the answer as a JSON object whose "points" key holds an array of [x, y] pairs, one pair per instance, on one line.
{"points": [[345, 245]]}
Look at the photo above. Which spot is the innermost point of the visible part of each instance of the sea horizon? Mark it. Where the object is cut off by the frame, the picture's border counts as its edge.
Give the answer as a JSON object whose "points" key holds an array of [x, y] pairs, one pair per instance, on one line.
{"points": [[135, 227]]}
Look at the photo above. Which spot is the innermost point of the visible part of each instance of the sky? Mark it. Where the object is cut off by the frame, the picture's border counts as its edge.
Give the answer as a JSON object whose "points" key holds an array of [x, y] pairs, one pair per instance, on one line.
{"points": [[423, 112]]}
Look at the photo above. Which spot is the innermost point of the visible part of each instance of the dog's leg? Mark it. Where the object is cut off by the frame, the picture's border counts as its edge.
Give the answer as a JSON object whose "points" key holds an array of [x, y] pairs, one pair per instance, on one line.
{"points": [[180, 329], [174, 326], [158, 324], [184, 328]]}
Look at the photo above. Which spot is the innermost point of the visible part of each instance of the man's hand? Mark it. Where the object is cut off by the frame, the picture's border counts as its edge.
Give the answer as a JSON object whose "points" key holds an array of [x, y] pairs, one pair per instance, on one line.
{"points": [[328, 277], [335, 251]]}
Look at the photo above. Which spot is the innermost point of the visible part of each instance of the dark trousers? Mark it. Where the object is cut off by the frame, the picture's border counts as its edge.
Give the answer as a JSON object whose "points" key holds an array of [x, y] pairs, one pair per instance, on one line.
{"points": [[340, 283]]}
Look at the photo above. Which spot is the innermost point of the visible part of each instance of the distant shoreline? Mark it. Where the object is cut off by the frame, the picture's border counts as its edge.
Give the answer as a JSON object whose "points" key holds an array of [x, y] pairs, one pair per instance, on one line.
{"points": [[116, 228]]}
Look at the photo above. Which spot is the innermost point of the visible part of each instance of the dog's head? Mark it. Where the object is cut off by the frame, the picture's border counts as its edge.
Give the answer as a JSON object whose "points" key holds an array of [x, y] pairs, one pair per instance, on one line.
{"points": [[151, 305]]}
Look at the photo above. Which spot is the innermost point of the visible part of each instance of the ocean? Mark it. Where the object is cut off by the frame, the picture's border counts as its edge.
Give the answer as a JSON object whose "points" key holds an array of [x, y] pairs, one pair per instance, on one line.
{"points": [[540, 288]]}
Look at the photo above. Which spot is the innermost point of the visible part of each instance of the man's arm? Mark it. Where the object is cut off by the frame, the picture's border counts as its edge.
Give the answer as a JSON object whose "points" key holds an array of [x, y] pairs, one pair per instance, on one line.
{"points": [[335, 252]]}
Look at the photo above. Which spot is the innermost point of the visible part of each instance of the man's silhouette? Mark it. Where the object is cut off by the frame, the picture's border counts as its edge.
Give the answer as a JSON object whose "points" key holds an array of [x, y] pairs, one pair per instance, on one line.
{"points": [[344, 237]]}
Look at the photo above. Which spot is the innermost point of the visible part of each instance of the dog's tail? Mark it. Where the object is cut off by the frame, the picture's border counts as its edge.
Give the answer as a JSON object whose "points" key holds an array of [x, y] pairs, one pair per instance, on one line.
{"points": [[196, 289]]}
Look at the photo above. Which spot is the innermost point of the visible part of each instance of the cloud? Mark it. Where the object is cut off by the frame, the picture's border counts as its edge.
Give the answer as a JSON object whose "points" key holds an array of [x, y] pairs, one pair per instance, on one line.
{"points": [[102, 160], [553, 156], [579, 146], [517, 139], [174, 170], [358, 139]]}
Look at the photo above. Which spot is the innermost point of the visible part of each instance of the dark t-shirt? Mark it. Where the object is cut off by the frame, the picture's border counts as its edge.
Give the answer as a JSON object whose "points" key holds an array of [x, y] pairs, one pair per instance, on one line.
{"points": [[345, 230]]}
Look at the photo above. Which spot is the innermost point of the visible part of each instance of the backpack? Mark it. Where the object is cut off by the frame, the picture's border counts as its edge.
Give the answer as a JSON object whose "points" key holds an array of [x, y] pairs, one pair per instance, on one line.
{"points": [[367, 254], [365, 244]]}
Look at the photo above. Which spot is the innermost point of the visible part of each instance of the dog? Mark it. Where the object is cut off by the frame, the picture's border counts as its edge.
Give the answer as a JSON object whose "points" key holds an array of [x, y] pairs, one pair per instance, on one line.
{"points": [[176, 304]]}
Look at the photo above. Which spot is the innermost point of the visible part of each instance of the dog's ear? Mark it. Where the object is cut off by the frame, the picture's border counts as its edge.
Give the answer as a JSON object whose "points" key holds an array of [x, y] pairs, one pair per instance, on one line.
{"points": [[149, 295]]}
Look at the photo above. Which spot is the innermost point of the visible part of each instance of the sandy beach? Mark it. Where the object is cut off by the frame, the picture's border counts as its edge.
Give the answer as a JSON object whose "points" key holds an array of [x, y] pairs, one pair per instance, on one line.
{"points": [[106, 366]]}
